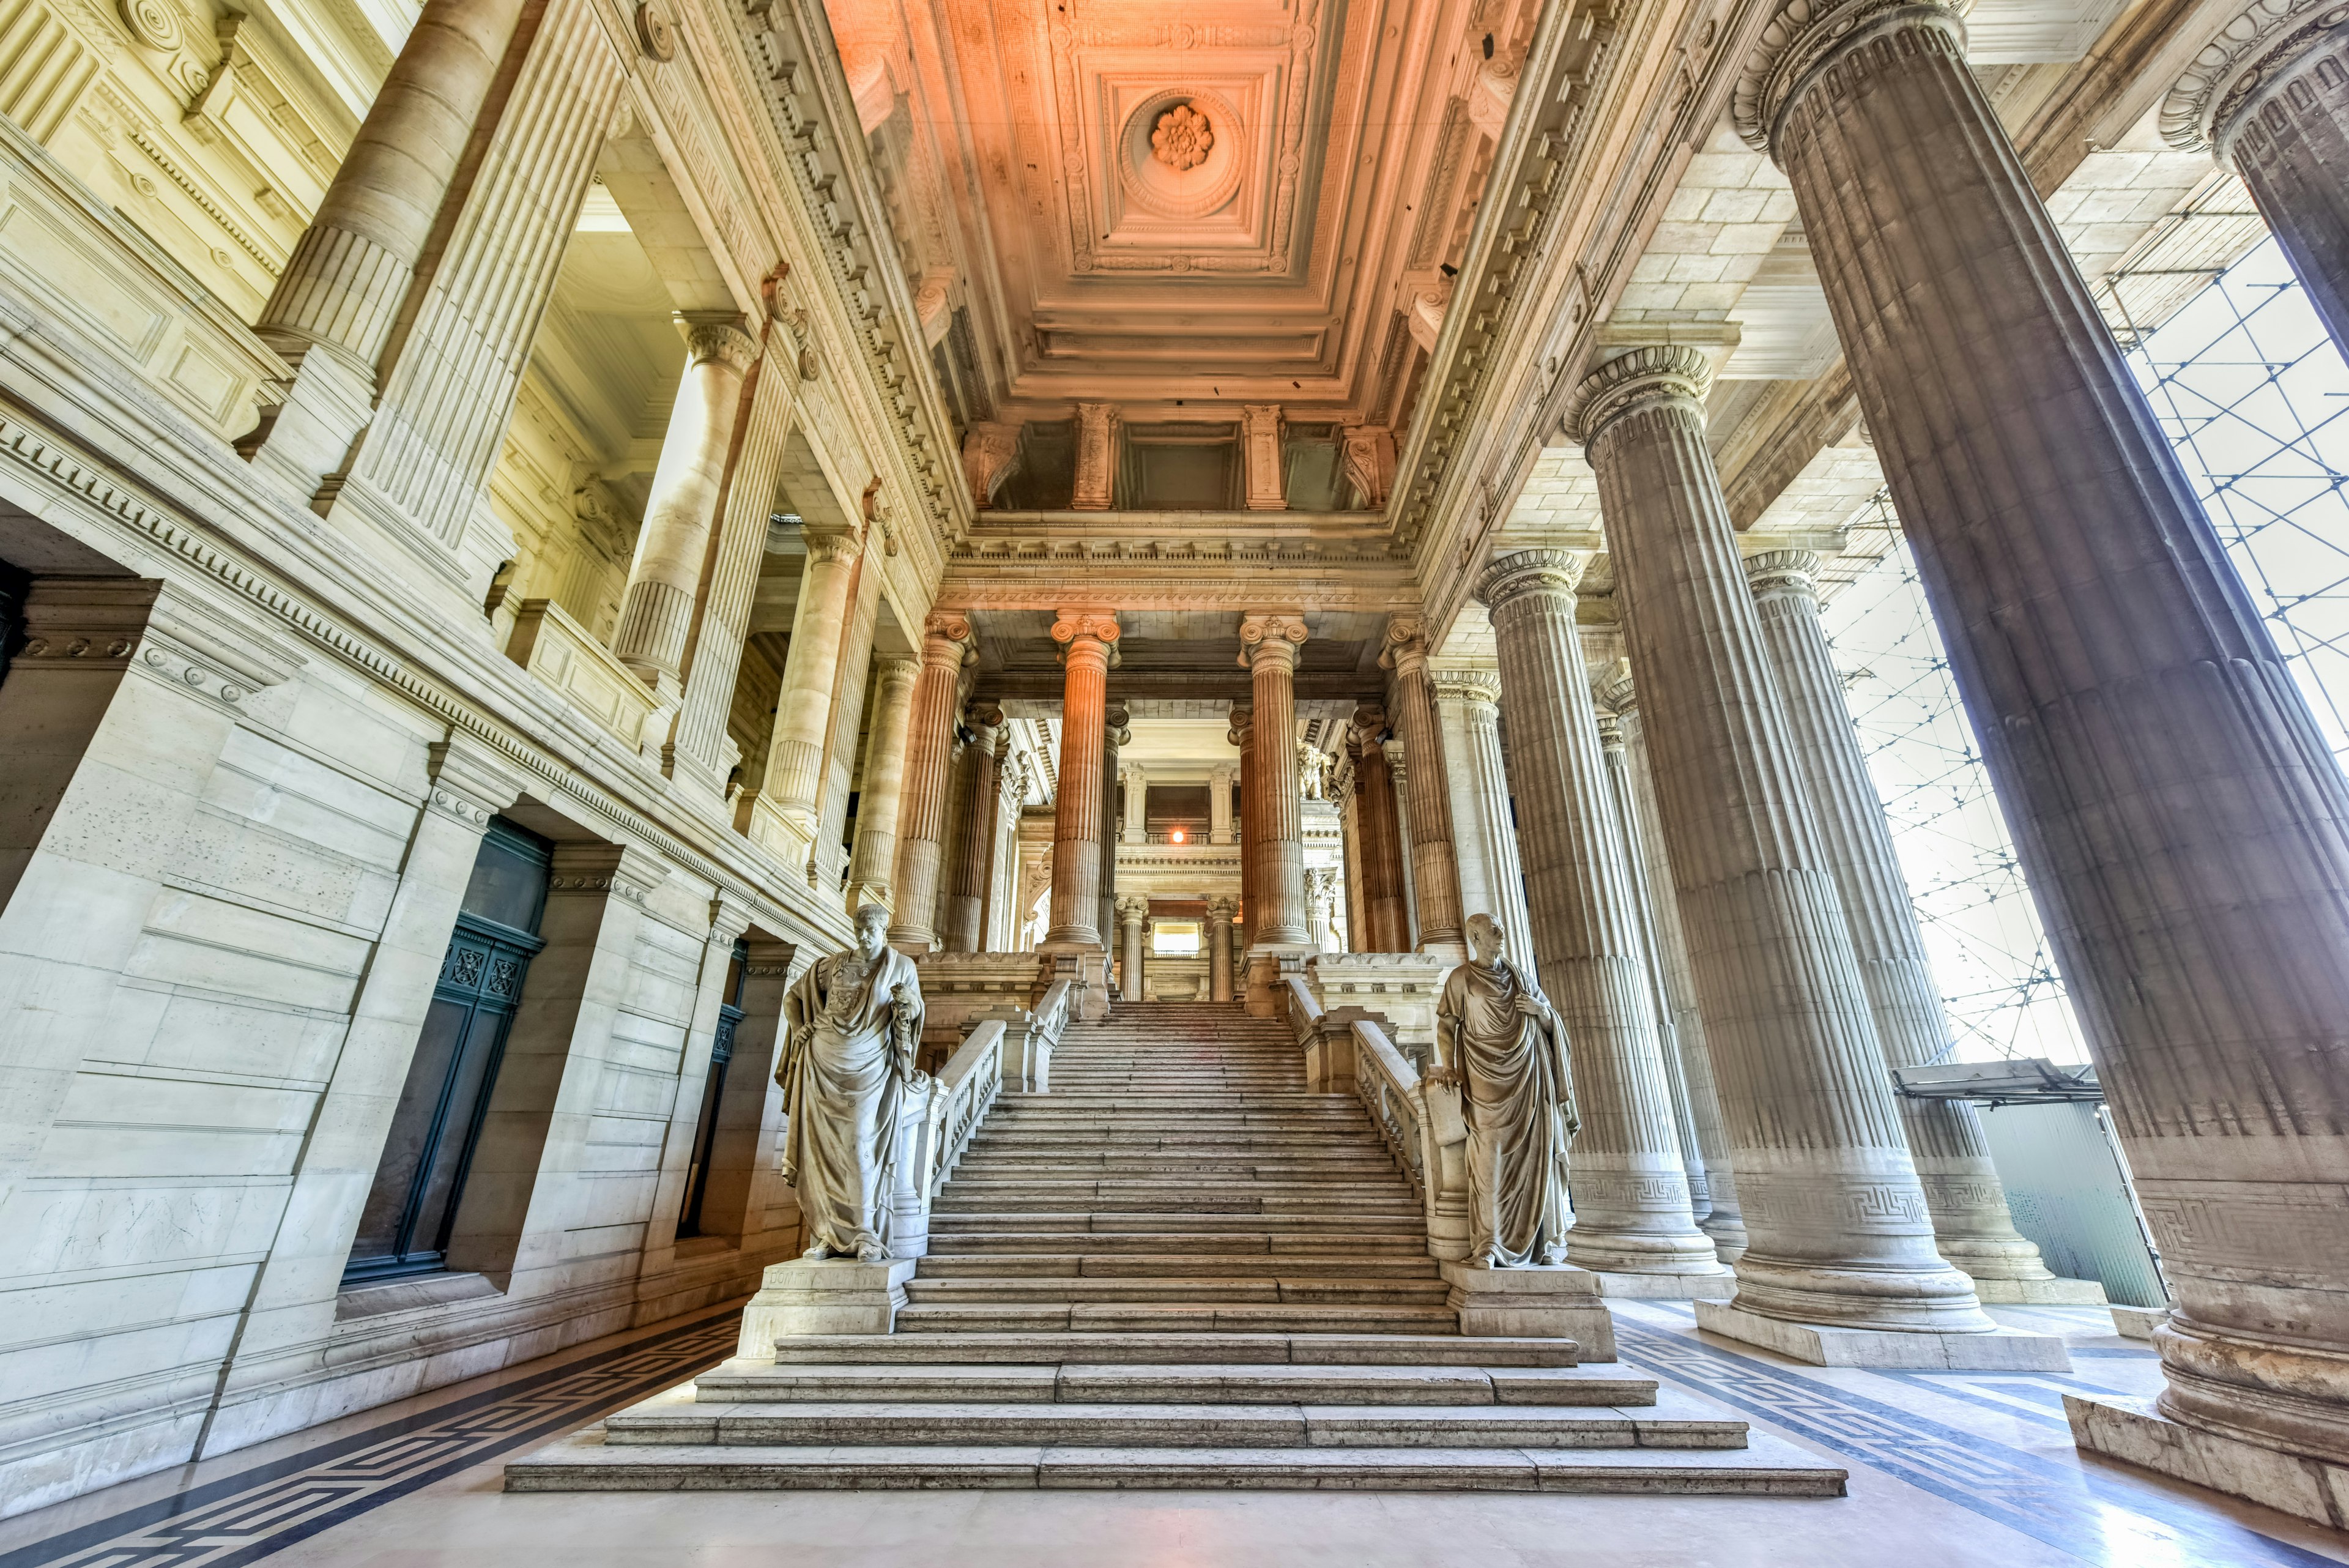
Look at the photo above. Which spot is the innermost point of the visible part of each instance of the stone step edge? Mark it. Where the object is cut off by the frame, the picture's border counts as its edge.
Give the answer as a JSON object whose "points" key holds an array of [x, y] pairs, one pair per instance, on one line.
{"points": [[1048, 1383], [1047, 1347]]}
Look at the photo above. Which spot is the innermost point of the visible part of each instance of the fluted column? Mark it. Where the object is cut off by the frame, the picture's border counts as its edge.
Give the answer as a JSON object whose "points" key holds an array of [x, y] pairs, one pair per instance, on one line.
{"points": [[2269, 98], [960, 919], [1632, 1199], [673, 546], [1086, 638], [1381, 850], [1131, 915], [1114, 735], [1399, 777], [1962, 1191], [1725, 1222], [880, 797], [1838, 1233], [1219, 949], [795, 757], [1242, 734], [1269, 646], [1435, 876], [929, 764], [2183, 827], [1484, 837]]}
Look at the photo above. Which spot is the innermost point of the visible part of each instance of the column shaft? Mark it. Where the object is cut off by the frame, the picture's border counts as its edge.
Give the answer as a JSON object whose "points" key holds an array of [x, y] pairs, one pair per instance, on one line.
{"points": [[1131, 915], [1219, 949], [795, 757], [960, 922], [1382, 851], [2184, 829], [1468, 714], [1086, 638], [1839, 1235], [880, 799], [1242, 734], [929, 766], [1113, 736], [828, 861], [1435, 876], [1632, 1204], [1270, 642]]}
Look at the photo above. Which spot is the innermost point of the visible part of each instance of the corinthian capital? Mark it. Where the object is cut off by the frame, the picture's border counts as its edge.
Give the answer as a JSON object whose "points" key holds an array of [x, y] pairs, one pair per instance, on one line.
{"points": [[1804, 37], [1667, 373], [1524, 572], [717, 338]]}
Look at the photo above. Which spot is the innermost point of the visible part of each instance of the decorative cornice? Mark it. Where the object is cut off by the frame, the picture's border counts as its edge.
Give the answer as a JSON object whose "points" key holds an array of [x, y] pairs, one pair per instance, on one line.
{"points": [[1783, 574], [2235, 71], [1524, 572], [1806, 36], [1641, 378]]}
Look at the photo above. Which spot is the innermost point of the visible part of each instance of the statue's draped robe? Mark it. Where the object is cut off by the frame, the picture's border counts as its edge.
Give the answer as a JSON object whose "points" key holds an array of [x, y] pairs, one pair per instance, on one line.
{"points": [[843, 1091], [1518, 1103]]}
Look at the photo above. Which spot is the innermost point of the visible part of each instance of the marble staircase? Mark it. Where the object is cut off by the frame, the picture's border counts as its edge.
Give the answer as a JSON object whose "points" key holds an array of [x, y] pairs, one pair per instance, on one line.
{"points": [[1177, 1269]]}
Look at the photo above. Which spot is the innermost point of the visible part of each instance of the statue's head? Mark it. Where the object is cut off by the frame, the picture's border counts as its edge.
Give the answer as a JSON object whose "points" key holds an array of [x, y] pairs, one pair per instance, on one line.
{"points": [[1485, 939], [871, 929]]}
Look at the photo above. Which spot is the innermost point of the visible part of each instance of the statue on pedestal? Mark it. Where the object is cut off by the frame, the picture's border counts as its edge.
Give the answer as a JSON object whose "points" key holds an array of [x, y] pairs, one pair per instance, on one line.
{"points": [[850, 1025], [1500, 1045]]}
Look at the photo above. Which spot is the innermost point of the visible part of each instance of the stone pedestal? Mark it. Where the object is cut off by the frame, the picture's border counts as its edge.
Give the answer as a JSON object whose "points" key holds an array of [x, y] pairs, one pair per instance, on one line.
{"points": [[838, 1295], [1718, 1286], [1555, 1300], [2052, 1291], [2133, 1431], [1820, 1344]]}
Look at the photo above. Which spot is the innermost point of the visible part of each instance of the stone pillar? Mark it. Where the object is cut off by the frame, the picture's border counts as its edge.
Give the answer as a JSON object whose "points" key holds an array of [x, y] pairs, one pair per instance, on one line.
{"points": [[828, 861], [1399, 778], [1219, 805], [1840, 1239], [1483, 831], [673, 546], [1381, 850], [1726, 1222], [879, 801], [1219, 949], [1114, 735], [2184, 830], [1435, 876], [333, 308], [1137, 796], [1972, 1226], [1261, 454], [1277, 851], [1350, 849], [1321, 895], [1632, 1204], [1096, 457], [960, 920], [1087, 637], [1242, 734], [2269, 98], [795, 757], [1133, 915], [929, 763]]}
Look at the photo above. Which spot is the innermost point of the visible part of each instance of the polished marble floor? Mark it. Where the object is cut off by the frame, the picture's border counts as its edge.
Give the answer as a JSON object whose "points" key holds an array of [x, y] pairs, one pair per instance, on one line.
{"points": [[1947, 1468]]}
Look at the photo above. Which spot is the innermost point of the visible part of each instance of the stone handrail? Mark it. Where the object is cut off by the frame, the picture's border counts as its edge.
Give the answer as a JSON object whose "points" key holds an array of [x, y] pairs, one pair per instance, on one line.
{"points": [[961, 1094], [1421, 1124]]}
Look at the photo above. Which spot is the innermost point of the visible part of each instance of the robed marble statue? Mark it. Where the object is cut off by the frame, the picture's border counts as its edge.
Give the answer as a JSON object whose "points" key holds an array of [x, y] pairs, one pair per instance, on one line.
{"points": [[1499, 1040], [850, 1028]]}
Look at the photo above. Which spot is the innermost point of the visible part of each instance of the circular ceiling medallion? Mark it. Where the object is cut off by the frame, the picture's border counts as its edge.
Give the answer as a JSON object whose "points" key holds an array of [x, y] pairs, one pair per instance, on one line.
{"points": [[1180, 153]]}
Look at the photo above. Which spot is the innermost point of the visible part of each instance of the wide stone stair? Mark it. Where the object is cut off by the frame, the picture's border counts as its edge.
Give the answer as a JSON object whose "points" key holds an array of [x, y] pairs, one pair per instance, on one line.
{"points": [[1179, 1268]]}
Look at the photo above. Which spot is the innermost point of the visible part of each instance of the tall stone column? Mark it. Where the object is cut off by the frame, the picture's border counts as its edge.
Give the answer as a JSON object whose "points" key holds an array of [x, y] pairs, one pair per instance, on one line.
{"points": [[1269, 646], [673, 546], [2269, 98], [1726, 1223], [1381, 850], [960, 921], [828, 861], [1087, 637], [2184, 829], [929, 764], [1484, 833], [795, 757], [1114, 735], [1632, 1204], [1242, 734], [1399, 777], [1840, 1239], [872, 864], [1133, 915], [1219, 805], [333, 308], [1219, 949], [1435, 876], [1972, 1226]]}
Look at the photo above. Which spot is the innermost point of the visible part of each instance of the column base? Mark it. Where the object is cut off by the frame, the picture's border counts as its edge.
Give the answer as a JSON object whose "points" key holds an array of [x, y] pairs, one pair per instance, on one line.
{"points": [[2132, 1431], [1552, 1300], [2137, 1322], [1822, 1345], [2053, 1292], [838, 1295], [1719, 1284]]}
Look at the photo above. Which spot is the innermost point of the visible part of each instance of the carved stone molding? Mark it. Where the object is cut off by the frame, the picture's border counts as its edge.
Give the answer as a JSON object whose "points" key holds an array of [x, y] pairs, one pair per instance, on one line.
{"points": [[1089, 624], [1466, 685], [1804, 37], [1271, 636], [1794, 573], [729, 919], [1524, 572], [990, 454], [470, 782], [2232, 74], [620, 870], [1639, 379], [1405, 649], [1097, 426], [718, 338]]}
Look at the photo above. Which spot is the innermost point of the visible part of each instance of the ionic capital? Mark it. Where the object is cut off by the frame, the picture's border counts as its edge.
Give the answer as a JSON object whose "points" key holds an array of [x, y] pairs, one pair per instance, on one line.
{"points": [[839, 547], [1405, 652], [985, 718], [1783, 574], [1613, 692], [1524, 573], [899, 672], [1133, 910], [1370, 724], [1274, 636], [1074, 626], [2236, 70], [1243, 726], [1806, 37], [1664, 374], [719, 338], [1471, 686], [1115, 717]]}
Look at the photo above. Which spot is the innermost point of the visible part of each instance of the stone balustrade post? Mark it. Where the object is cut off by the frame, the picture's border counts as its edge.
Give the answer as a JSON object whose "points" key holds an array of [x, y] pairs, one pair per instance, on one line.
{"points": [[1427, 800], [929, 766], [2184, 829], [1087, 637]]}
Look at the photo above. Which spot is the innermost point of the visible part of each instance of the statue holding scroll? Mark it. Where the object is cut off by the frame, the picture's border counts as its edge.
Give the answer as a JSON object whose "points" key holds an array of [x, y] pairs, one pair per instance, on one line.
{"points": [[850, 1025], [1499, 1041]]}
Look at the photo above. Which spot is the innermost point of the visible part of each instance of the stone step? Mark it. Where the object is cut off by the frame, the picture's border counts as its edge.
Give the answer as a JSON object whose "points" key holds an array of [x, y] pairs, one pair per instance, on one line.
{"points": [[1214, 1289], [1171, 1317], [999, 1166], [1677, 1422], [951, 1241], [957, 1222], [1446, 1348], [1249, 1382], [1042, 1266], [1004, 1198], [1768, 1467]]}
